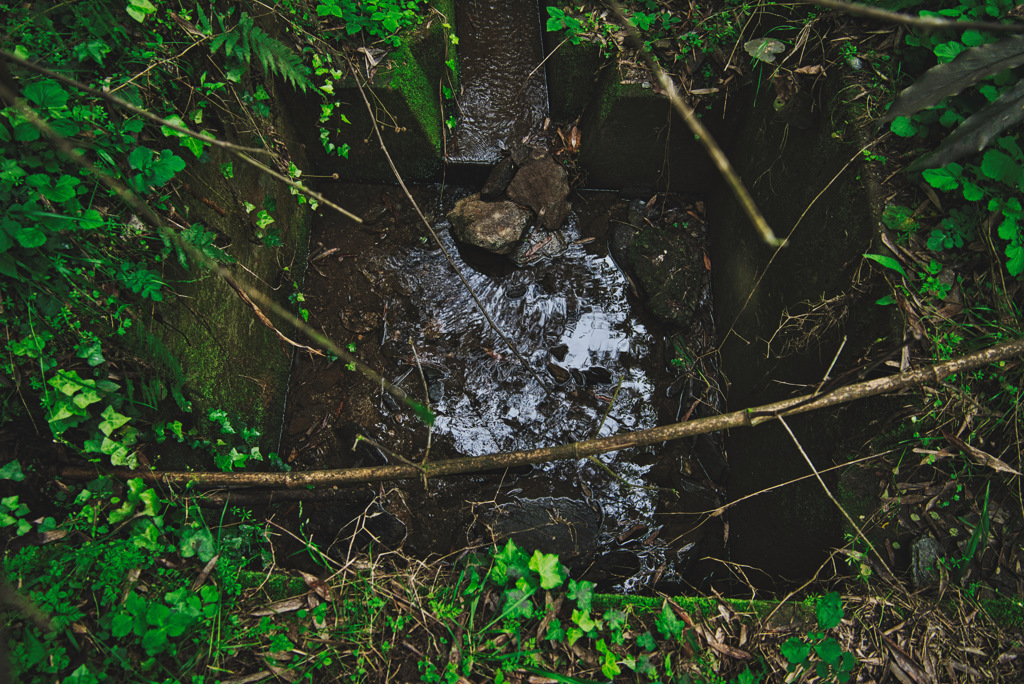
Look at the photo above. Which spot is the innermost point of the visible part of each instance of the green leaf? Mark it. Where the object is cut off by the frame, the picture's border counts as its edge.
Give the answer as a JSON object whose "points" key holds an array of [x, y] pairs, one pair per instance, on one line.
{"points": [[517, 604], [585, 620], [764, 49], [122, 625], [668, 624], [46, 95], [945, 178], [140, 158], [199, 542], [140, 9], [112, 420], [829, 651], [796, 651], [30, 236], [582, 593], [646, 641], [888, 262], [947, 52], [509, 564], [999, 166], [830, 610], [552, 572], [903, 126], [12, 471]]}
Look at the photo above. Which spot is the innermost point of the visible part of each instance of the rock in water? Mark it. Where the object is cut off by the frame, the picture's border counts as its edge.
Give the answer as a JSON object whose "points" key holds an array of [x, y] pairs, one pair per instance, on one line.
{"points": [[543, 185], [664, 257], [494, 226], [498, 179]]}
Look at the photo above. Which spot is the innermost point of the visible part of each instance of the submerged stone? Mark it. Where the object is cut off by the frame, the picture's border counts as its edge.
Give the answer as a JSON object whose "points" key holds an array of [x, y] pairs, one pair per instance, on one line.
{"points": [[494, 226], [665, 258], [537, 246]]}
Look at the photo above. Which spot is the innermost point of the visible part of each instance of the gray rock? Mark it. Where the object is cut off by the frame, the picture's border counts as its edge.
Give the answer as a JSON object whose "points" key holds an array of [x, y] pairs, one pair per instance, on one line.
{"points": [[498, 180], [924, 562], [542, 184], [494, 226], [666, 261]]}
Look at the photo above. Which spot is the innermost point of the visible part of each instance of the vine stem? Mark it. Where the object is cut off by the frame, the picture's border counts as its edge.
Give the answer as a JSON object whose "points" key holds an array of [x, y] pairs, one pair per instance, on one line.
{"points": [[499, 461]]}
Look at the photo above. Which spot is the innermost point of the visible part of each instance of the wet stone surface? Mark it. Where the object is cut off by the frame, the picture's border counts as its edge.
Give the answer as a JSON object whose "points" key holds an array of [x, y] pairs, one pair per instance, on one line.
{"points": [[606, 368]]}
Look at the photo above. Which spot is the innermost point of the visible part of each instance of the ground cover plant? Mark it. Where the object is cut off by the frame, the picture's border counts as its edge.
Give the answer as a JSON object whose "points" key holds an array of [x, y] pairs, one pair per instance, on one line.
{"points": [[127, 581]]}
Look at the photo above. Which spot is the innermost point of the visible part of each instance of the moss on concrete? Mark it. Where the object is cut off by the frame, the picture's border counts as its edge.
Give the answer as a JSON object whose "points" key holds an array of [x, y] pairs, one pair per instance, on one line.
{"points": [[406, 98], [573, 72], [634, 140], [229, 359]]}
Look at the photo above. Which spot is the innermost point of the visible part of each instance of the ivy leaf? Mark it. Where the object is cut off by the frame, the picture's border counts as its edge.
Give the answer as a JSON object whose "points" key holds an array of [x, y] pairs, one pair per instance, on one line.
{"points": [[509, 564], [517, 604], [112, 420], [140, 9], [646, 641], [668, 624], [552, 572], [830, 610], [796, 651], [585, 620], [582, 593], [12, 471]]}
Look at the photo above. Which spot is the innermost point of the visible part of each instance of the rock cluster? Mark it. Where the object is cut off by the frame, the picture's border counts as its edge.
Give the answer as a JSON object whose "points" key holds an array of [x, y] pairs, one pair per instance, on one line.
{"points": [[520, 208]]}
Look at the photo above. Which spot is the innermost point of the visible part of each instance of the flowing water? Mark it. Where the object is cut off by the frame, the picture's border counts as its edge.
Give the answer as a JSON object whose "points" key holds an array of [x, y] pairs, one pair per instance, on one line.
{"points": [[587, 362], [596, 367]]}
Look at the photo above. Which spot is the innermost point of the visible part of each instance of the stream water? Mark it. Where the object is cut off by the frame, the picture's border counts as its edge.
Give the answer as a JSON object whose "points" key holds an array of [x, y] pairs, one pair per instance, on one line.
{"points": [[601, 368], [590, 362]]}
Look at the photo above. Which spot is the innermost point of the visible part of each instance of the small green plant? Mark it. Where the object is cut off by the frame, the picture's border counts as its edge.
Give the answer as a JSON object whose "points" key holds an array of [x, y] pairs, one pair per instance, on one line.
{"points": [[819, 653]]}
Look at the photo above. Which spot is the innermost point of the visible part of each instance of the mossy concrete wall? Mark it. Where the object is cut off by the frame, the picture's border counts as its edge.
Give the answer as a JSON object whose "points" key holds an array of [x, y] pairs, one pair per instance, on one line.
{"points": [[812, 186], [786, 156], [406, 98], [632, 138], [229, 359]]}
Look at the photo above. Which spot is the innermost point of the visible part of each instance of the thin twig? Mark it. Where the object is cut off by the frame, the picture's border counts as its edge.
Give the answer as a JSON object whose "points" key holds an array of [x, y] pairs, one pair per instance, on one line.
{"points": [[703, 136], [426, 398], [828, 492], [608, 409], [474, 464], [923, 23]]}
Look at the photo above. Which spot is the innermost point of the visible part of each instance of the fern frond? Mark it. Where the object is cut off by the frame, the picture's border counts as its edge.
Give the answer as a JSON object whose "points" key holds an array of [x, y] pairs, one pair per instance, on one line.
{"points": [[246, 39]]}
